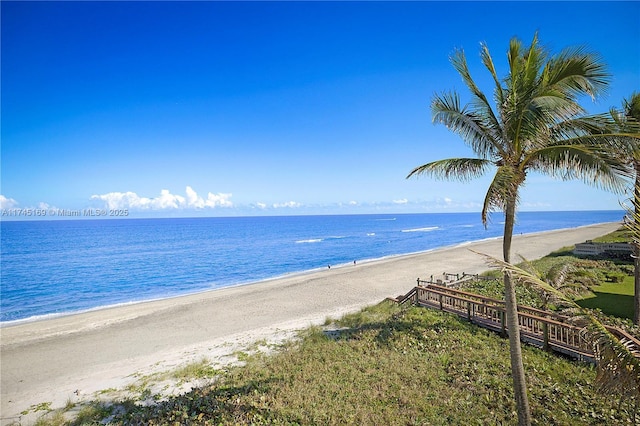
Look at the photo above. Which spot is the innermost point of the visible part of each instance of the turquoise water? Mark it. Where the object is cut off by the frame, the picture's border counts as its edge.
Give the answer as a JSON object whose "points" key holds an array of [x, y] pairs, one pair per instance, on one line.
{"points": [[55, 267]]}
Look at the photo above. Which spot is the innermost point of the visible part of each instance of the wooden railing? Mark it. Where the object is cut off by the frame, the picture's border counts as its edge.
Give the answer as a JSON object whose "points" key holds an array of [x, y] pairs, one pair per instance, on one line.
{"points": [[545, 329], [411, 296], [453, 280]]}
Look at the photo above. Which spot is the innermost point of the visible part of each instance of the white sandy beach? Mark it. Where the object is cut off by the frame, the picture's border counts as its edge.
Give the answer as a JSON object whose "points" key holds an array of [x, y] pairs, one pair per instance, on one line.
{"points": [[72, 357]]}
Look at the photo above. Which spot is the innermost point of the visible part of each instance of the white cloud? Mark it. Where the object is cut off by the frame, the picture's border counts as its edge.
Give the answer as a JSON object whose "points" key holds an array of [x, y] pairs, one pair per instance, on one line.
{"points": [[261, 205], [7, 203], [125, 200], [288, 204], [220, 199], [353, 203], [213, 200], [166, 200], [402, 201], [193, 199]]}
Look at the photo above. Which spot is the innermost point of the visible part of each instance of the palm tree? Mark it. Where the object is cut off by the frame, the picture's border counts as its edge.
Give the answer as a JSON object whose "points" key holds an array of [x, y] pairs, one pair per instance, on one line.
{"points": [[537, 125], [628, 123]]}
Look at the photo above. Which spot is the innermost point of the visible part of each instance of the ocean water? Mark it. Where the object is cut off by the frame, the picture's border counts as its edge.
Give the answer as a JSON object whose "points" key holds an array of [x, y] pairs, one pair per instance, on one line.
{"points": [[51, 268]]}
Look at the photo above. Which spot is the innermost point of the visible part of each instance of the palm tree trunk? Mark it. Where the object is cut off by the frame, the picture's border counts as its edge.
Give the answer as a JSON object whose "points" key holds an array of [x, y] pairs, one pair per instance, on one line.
{"points": [[636, 251], [636, 296], [511, 307]]}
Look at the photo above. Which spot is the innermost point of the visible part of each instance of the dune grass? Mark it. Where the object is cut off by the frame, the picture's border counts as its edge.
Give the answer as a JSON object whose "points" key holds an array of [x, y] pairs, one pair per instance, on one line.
{"points": [[386, 365], [621, 235]]}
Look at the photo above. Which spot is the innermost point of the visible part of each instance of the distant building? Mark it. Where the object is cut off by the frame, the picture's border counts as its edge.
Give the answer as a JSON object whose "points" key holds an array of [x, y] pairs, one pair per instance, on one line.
{"points": [[616, 250]]}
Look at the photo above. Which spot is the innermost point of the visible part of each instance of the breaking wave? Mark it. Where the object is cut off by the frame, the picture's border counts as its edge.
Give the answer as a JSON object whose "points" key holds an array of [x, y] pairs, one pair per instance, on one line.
{"points": [[426, 229]]}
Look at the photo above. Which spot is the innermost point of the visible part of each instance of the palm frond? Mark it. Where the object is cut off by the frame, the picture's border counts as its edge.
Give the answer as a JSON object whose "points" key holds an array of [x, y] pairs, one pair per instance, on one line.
{"points": [[632, 106], [625, 137], [549, 108], [632, 219], [521, 276], [558, 274], [537, 108], [617, 116], [583, 125], [617, 360], [487, 60], [627, 124], [481, 106], [462, 169], [446, 109], [504, 185], [514, 57], [528, 266], [575, 72], [593, 165], [604, 135], [533, 62], [552, 98], [558, 277]]}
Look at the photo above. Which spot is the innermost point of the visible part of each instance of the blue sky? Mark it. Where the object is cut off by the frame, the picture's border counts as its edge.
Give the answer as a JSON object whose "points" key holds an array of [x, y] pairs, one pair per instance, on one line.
{"points": [[227, 108]]}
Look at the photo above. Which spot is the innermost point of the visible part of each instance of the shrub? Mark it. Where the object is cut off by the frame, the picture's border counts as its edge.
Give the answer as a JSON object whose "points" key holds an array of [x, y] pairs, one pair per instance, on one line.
{"points": [[615, 276]]}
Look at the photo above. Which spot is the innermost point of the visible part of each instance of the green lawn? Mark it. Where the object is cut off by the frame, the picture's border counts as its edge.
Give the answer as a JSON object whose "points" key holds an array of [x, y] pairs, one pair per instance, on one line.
{"points": [[612, 298]]}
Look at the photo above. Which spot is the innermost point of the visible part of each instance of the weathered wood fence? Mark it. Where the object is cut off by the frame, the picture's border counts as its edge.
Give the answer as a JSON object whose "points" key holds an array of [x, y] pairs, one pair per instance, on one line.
{"points": [[544, 329]]}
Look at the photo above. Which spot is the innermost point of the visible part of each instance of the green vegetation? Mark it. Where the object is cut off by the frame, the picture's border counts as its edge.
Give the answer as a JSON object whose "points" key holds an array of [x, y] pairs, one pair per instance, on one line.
{"points": [[622, 235], [601, 284], [43, 406], [197, 370], [612, 299], [384, 365]]}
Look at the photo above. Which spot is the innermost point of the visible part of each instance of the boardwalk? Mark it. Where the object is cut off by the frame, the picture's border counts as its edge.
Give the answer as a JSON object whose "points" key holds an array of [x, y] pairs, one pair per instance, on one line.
{"points": [[544, 329]]}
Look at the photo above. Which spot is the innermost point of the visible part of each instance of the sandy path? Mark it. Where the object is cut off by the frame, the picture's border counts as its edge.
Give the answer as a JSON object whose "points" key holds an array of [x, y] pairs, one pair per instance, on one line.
{"points": [[61, 359]]}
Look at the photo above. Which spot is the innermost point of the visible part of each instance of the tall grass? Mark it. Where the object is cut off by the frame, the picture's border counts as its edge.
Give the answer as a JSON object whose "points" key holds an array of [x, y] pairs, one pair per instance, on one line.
{"points": [[387, 365]]}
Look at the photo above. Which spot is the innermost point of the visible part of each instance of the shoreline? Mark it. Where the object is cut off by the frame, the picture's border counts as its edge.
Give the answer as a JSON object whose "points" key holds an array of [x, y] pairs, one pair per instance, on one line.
{"points": [[111, 346], [53, 316]]}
